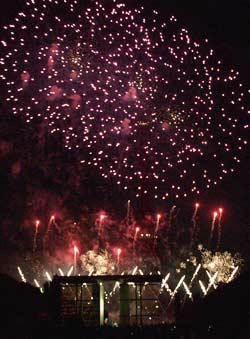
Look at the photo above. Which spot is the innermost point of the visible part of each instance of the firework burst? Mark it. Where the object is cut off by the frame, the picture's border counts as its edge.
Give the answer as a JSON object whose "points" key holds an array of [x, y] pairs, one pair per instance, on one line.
{"points": [[132, 96]]}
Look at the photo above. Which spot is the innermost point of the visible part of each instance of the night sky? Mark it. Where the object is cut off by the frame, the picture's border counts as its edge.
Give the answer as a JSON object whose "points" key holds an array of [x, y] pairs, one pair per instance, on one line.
{"points": [[227, 26]]}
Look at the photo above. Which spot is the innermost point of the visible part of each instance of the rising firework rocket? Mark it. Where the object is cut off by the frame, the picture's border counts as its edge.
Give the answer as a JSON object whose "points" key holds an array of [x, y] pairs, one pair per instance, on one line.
{"points": [[35, 235], [156, 228], [157, 223], [215, 214], [194, 233], [128, 213], [137, 230], [197, 205], [100, 230], [76, 251], [119, 251], [219, 228], [46, 236]]}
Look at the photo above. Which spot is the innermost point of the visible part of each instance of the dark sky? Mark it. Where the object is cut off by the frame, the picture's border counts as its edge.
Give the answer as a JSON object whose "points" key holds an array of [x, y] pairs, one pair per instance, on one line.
{"points": [[226, 24]]}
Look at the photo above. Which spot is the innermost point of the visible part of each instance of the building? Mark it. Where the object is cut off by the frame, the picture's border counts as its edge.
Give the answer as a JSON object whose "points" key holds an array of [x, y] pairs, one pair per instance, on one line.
{"points": [[92, 299]]}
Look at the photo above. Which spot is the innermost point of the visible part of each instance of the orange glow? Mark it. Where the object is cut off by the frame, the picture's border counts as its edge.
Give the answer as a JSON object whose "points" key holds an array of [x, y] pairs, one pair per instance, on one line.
{"points": [[158, 216], [220, 210], [137, 229], [197, 205]]}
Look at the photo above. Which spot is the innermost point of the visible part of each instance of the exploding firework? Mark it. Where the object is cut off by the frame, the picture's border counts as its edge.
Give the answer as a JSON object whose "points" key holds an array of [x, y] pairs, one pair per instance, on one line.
{"points": [[132, 96], [98, 263], [224, 264]]}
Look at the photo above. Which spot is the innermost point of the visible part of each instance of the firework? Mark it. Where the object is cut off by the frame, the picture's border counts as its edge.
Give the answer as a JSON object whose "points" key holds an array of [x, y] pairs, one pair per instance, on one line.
{"points": [[212, 279], [21, 274], [137, 230], [100, 228], [219, 228], [133, 97], [37, 283], [222, 262], [46, 236], [98, 263], [48, 276], [233, 274], [203, 288], [35, 235], [157, 223], [70, 271], [134, 270], [188, 292], [177, 287], [119, 251], [212, 282], [215, 214], [194, 275], [61, 272], [76, 251], [128, 212]]}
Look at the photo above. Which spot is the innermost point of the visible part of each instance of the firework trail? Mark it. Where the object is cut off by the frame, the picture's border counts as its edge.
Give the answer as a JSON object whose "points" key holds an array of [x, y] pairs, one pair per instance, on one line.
{"points": [[176, 290], [137, 229], [119, 251], [37, 284], [195, 275], [157, 223], [204, 291], [165, 284], [76, 251], [194, 231], [134, 98], [192, 280], [21, 274], [61, 272], [134, 270], [212, 281], [188, 292], [156, 228], [46, 236], [100, 225], [215, 214], [128, 213], [219, 228], [35, 235], [48, 276], [233, 274], [70, 271]]}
